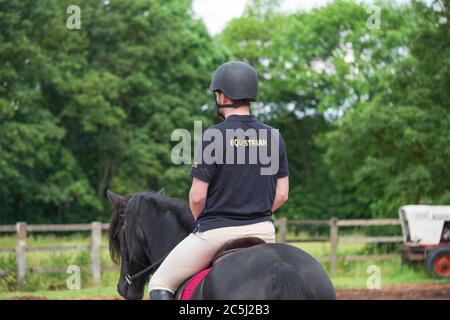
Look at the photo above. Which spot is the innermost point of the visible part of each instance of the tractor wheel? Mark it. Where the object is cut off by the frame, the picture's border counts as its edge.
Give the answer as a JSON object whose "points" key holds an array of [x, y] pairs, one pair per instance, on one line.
{"points": [[437, 262]]}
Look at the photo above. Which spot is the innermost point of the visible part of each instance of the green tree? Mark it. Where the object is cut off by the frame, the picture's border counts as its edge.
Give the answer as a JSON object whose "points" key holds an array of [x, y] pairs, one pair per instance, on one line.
{"points": [[395, 150], [84, 109], [314, 66]]}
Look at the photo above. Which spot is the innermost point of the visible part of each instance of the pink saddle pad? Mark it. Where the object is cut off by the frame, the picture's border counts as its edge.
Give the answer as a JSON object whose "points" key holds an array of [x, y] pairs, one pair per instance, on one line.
{"points": [[189, 289]]}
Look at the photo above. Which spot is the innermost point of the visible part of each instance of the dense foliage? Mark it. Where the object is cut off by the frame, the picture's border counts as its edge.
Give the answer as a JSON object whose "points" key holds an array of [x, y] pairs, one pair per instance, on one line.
{"points": [[84, 109], [364, 112]]}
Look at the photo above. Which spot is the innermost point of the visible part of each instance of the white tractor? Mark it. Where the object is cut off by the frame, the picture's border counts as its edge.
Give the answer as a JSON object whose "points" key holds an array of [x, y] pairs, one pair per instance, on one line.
{"points": [[426, 237]]}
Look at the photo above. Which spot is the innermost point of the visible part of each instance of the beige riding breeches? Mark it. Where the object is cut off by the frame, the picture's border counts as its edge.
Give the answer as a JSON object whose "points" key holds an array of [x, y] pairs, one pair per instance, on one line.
{"points": [[196, 251]]}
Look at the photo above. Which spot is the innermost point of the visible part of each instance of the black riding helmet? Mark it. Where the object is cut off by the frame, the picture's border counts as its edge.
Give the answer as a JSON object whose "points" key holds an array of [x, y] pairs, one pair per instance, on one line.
{"points": [[238, 81]]}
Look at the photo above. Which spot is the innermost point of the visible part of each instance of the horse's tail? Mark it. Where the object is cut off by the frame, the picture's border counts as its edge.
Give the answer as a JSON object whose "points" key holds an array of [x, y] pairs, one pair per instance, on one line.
{"points": [[286, 283]]}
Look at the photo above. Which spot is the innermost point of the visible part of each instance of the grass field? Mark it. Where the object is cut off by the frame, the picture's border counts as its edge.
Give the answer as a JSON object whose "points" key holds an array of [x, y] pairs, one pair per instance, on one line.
{"points": [[53, 286]]}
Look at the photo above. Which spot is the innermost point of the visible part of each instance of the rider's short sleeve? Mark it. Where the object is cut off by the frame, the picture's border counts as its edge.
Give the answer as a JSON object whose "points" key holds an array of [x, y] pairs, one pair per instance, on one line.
{"points": [[201, 167], [283, 170]]}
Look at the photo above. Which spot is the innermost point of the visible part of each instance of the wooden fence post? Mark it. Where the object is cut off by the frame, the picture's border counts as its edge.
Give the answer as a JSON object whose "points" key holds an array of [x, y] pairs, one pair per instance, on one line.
{"points": [[334, 239], [96, 253], [21, 234], [282, 229]]}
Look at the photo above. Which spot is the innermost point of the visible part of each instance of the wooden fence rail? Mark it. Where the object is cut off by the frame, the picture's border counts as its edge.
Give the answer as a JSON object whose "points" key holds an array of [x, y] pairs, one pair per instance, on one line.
{"points": [[334, 238], [95, 228], [22, 229]]}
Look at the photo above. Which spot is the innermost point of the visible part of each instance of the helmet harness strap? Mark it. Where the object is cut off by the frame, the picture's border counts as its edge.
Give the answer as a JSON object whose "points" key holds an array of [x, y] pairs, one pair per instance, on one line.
{"points": [[230, 105]]}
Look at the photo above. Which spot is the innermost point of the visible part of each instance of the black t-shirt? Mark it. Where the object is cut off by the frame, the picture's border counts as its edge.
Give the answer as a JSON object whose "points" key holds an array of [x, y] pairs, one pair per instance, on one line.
{"points": [[241, 158]]}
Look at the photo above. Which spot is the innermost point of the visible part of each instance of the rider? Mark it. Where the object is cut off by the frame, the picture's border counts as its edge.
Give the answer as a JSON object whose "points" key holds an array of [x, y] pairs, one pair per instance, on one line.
{"points": [[228, 200]]}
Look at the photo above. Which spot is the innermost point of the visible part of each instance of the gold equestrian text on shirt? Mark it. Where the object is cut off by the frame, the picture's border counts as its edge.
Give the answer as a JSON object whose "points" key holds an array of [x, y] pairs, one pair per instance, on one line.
{"points": [[234, 146], [248, 143]]}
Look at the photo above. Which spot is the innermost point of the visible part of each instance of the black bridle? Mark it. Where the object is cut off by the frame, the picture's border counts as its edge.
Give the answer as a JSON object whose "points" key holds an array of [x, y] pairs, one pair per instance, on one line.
{"points": [[130, 279], [124, 250]]}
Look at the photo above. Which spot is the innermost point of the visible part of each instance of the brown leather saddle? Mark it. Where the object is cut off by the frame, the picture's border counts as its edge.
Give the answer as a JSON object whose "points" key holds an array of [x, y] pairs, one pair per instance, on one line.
{"points": [[235, 245]]}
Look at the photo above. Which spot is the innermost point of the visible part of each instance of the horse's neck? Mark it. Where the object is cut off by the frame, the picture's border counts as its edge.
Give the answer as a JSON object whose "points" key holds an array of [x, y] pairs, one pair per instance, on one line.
{"points": [[166, 237]]}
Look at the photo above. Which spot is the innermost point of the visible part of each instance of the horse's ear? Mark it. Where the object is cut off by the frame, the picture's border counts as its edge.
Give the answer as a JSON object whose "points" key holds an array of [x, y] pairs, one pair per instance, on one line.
{"points": [[115, 199], [162, 191]]}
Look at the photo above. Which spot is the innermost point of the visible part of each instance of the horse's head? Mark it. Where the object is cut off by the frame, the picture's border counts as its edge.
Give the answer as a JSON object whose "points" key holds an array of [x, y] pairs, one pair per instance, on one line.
{"points": [[126, 243]]}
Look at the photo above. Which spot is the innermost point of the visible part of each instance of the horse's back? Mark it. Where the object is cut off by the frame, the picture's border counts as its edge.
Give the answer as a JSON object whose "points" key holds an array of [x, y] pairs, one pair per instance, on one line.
{"points": [[268, 271]]}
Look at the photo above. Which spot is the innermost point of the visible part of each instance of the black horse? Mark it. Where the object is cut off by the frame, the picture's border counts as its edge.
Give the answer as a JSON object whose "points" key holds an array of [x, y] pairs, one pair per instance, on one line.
{"points": [[146, 226]]}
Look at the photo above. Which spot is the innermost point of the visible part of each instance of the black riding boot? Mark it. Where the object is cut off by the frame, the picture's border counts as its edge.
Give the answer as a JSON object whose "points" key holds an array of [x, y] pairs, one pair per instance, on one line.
{"points": [[159, 294]]}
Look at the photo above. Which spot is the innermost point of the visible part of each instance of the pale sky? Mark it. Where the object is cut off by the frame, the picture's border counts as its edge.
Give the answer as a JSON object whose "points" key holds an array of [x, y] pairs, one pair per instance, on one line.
{"points": [[216, 13]]}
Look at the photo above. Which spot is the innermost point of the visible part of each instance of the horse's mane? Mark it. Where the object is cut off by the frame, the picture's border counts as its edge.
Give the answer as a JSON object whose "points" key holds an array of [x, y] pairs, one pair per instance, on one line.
{"points": [[114, 233], [176, 207], [147, 201]]}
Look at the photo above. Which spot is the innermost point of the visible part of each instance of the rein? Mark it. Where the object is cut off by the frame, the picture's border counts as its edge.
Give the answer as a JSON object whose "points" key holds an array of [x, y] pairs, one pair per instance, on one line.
{"points": [[130, 279]]}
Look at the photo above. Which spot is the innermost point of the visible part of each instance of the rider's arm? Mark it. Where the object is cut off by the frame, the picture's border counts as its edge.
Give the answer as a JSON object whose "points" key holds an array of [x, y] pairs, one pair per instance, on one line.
{"points": [[282, 188], [197, 196], [281, 193]]}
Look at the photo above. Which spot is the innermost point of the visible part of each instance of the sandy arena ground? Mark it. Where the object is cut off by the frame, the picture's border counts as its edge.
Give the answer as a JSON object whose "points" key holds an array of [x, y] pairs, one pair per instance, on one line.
{"points": [[397, 292]]}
